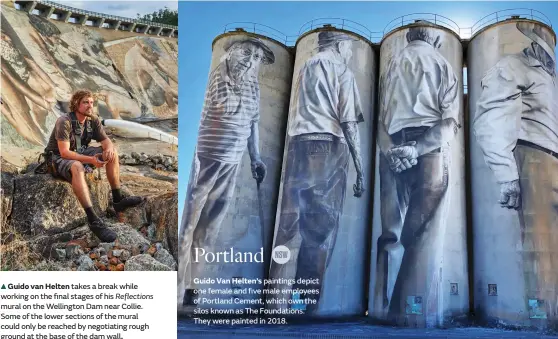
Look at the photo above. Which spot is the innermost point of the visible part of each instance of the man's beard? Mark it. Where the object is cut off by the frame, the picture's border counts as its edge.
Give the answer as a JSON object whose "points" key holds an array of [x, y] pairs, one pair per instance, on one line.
{"points": [[88, 113]]}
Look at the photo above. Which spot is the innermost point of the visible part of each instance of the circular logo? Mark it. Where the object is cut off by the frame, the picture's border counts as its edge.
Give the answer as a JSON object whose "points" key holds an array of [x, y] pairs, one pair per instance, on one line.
{"points": [[281, 254]]}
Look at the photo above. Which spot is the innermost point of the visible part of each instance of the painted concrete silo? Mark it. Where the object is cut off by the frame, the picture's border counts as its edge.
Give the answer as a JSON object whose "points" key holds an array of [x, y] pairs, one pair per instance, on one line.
{"points": [[227, 228], [514, 170], [322, 222], [419, 249]]}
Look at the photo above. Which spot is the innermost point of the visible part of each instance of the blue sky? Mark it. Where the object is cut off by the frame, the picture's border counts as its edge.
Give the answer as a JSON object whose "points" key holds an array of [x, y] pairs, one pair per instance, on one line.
{"points": [[200, 22]]}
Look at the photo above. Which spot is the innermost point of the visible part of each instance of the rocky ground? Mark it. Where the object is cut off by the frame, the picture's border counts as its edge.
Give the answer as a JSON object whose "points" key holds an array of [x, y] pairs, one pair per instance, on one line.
{"points": [[157, 161], [43, 227]]}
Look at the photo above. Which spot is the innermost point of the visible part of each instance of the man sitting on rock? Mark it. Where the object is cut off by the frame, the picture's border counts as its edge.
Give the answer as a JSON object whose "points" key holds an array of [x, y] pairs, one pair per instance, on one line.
{"points": [[67, 151]]}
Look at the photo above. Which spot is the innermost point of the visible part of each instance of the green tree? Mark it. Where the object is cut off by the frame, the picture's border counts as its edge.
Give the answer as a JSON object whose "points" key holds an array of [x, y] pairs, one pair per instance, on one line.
{"points": [[162, 16]]}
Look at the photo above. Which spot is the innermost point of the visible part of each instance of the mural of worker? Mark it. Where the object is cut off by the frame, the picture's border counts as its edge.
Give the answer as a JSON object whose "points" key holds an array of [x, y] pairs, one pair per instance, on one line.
{"points": [[323, 135], [419, 118], [516, 127], [229, 125]]}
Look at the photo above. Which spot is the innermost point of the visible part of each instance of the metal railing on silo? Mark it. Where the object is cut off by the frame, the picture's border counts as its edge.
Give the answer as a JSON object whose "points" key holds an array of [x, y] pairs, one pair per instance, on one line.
{"points": [[256, 28], [411, 18], [507, 14], [343, 24]]}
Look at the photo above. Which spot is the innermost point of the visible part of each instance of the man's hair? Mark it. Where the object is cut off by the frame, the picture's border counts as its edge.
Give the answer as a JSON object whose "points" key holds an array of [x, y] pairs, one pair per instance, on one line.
{"points": [[420, 33], [77, 97]]}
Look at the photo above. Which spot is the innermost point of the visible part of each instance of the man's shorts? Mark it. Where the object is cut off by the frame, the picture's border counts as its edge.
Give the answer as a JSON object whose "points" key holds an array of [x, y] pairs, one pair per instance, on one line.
{"points": [[63, 166]]}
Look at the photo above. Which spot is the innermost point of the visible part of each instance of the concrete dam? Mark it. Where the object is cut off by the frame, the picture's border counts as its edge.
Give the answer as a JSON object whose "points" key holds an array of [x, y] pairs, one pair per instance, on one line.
{"points": [[364, 168], [132, 72]]}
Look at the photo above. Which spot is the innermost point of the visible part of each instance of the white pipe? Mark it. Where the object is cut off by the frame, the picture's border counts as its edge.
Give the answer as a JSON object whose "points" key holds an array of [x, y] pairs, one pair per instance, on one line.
{"points": [[131, 129]]}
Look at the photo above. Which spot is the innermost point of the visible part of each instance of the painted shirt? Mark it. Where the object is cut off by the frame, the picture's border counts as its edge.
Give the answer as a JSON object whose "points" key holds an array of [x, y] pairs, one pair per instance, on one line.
{"points": [[518, 101], [228, 113], [325, 97], [419, 88]]}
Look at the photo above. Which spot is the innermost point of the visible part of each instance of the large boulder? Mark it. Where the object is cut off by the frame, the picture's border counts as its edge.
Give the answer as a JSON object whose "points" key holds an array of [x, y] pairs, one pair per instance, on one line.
{"points": [[157, 219], [145, 186], [44, 205], [135, 216], [145, 262], [6, 194], [8, 174], [165, 258], [128, 237], [163, 211]]}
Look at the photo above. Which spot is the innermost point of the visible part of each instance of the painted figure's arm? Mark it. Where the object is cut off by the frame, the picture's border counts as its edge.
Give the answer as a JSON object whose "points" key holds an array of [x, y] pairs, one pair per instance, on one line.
{"points": [[497, 122], [253, 142], [441, 134], [350, 114], [496, 126], [437, 136], [257, 166], [352, 135], [384, 140]]}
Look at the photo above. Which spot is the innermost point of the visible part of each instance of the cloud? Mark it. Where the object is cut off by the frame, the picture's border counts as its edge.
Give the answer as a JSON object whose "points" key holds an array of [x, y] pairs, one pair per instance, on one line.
{"points": [[118, 7]]}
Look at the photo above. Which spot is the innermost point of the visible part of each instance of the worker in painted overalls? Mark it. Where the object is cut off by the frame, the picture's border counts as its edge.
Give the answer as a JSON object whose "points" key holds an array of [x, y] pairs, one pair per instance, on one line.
{"points": [[419, 109], [516, 126], [229, 125]]}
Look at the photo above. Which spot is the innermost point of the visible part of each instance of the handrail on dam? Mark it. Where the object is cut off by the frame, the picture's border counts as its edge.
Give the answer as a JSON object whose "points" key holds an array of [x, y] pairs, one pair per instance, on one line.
{"points": [[102, 15], [46, 9]]}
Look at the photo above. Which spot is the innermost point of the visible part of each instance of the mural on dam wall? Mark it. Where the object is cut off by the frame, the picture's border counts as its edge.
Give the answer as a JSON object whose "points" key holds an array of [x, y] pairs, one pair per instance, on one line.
{"points": [[44, 61], [319, 211], [515, 127], [419, 127], [233, 186], [150, 70]]}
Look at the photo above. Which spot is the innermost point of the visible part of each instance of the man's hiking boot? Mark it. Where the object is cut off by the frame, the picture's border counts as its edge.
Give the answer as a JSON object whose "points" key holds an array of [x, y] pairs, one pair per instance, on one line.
{"points": [[102, 231], [127, 203]]}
